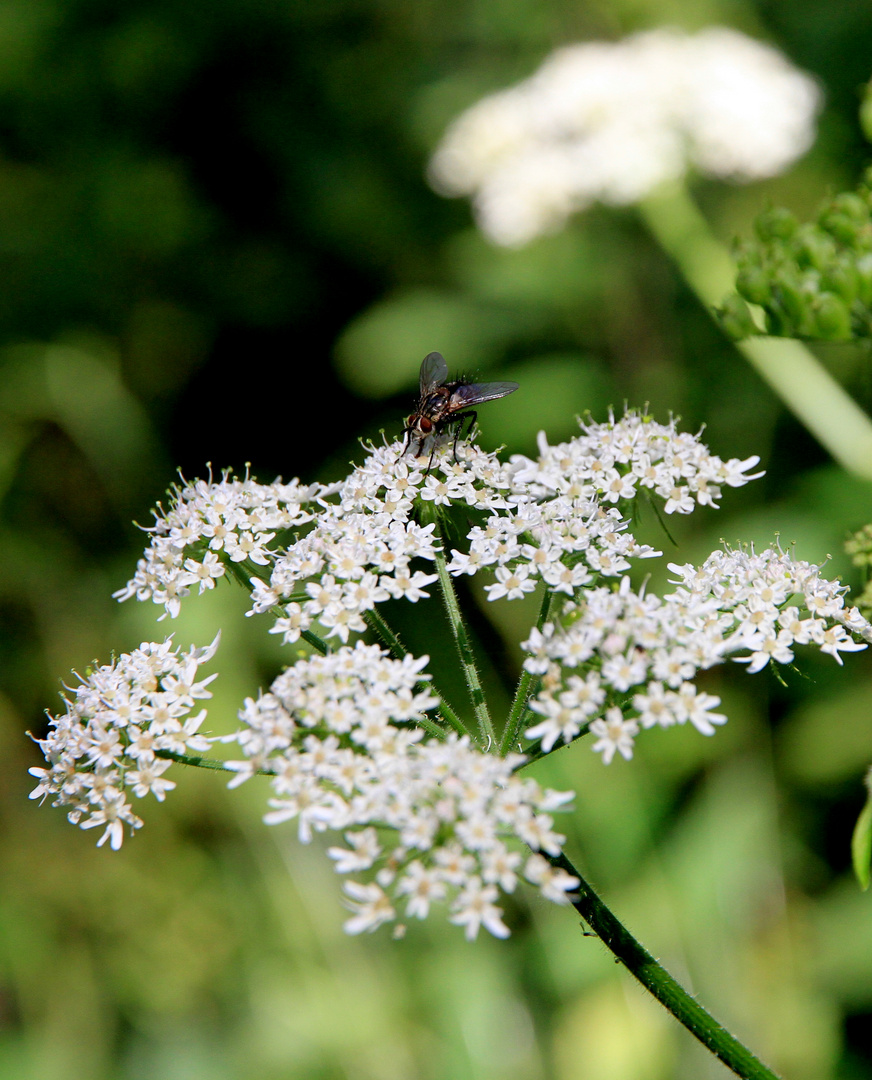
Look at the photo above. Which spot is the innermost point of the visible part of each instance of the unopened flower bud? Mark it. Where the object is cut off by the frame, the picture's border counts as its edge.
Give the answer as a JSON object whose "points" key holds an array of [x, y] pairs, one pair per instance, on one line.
{"points": [[846, 215], [775, 223], [752, 283], [832, 319]]}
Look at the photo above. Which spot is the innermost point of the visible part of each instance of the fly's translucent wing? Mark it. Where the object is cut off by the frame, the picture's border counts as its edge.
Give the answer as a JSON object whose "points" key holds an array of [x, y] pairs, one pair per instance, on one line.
{"points": [[434, 372], [468, 394]]}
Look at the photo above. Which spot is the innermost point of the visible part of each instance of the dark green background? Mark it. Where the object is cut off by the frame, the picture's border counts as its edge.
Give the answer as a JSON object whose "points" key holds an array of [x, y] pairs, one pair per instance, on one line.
{"points": [[217, 245]]}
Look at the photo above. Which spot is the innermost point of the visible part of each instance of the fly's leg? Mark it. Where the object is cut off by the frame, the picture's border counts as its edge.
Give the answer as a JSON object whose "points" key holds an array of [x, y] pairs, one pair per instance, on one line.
{"points": [[408, 443], [472, 416], [420, 447], [435, 437]]}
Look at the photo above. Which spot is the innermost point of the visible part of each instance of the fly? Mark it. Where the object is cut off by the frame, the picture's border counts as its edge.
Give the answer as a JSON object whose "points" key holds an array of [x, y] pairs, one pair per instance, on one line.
{"points": [[441, 403]]}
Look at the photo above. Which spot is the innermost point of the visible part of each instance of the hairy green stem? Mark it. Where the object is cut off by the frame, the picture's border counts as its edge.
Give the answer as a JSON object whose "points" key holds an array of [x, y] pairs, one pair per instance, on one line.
{"points": [[195, 760], [790, 369], [657, 980], [242, 572], [464, 650], [316, 642], [525, 687], [398, 650], [388, 637]]}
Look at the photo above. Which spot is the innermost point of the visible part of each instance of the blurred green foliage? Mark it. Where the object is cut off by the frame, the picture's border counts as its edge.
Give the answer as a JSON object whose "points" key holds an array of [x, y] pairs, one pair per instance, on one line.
{"points": [[859, 547], [217, 244]]}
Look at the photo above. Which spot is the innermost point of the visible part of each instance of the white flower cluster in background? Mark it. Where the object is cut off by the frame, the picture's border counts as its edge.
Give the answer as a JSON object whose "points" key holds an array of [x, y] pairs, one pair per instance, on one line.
{"points": [[428, 822], [233, 518], [609, 122], [104, 746], [620, 661]]}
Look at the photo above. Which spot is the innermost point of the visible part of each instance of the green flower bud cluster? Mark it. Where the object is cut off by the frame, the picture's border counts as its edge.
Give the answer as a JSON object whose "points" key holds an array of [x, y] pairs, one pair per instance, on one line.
{"points": [[814, 279], [859, 547]]}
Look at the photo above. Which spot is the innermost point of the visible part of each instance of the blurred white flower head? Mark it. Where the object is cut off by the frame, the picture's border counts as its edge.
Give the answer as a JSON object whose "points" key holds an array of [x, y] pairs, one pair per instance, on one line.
{"points": [[609, 122]]}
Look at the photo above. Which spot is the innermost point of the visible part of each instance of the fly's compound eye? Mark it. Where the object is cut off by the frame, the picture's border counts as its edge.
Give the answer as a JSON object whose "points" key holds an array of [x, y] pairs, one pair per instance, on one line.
{"points": [[425, 425]]}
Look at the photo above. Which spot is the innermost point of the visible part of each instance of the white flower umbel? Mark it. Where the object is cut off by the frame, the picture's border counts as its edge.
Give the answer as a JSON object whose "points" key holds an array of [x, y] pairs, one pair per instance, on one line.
{"points": [[365, 546], [355, 740], [429, 822], [619, 660], [105, 744], [208, 525], [559, 519], [566, 524], [610, 122]]}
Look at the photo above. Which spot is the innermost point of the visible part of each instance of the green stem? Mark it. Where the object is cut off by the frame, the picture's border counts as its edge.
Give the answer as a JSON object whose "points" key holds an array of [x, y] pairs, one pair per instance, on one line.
{"points": [[428, 724], [317, 643], [388, 637], [398, 650], [243, 572], [464, 650], [197, 762], [657, 980], [525, 687], [790, 369]]}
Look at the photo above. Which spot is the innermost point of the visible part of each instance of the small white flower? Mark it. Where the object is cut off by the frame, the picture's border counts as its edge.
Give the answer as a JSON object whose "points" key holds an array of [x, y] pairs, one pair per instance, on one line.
{"points": [[655, 706], [423, 886], [365, 850], [622, 672], [554, 883], [561, 722], [614, 735], [474, 908], [765, 647], [370, 905], [511, 584], [836, 640], [149, 778], [407, 586], [499, 866], [689, 704]]}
